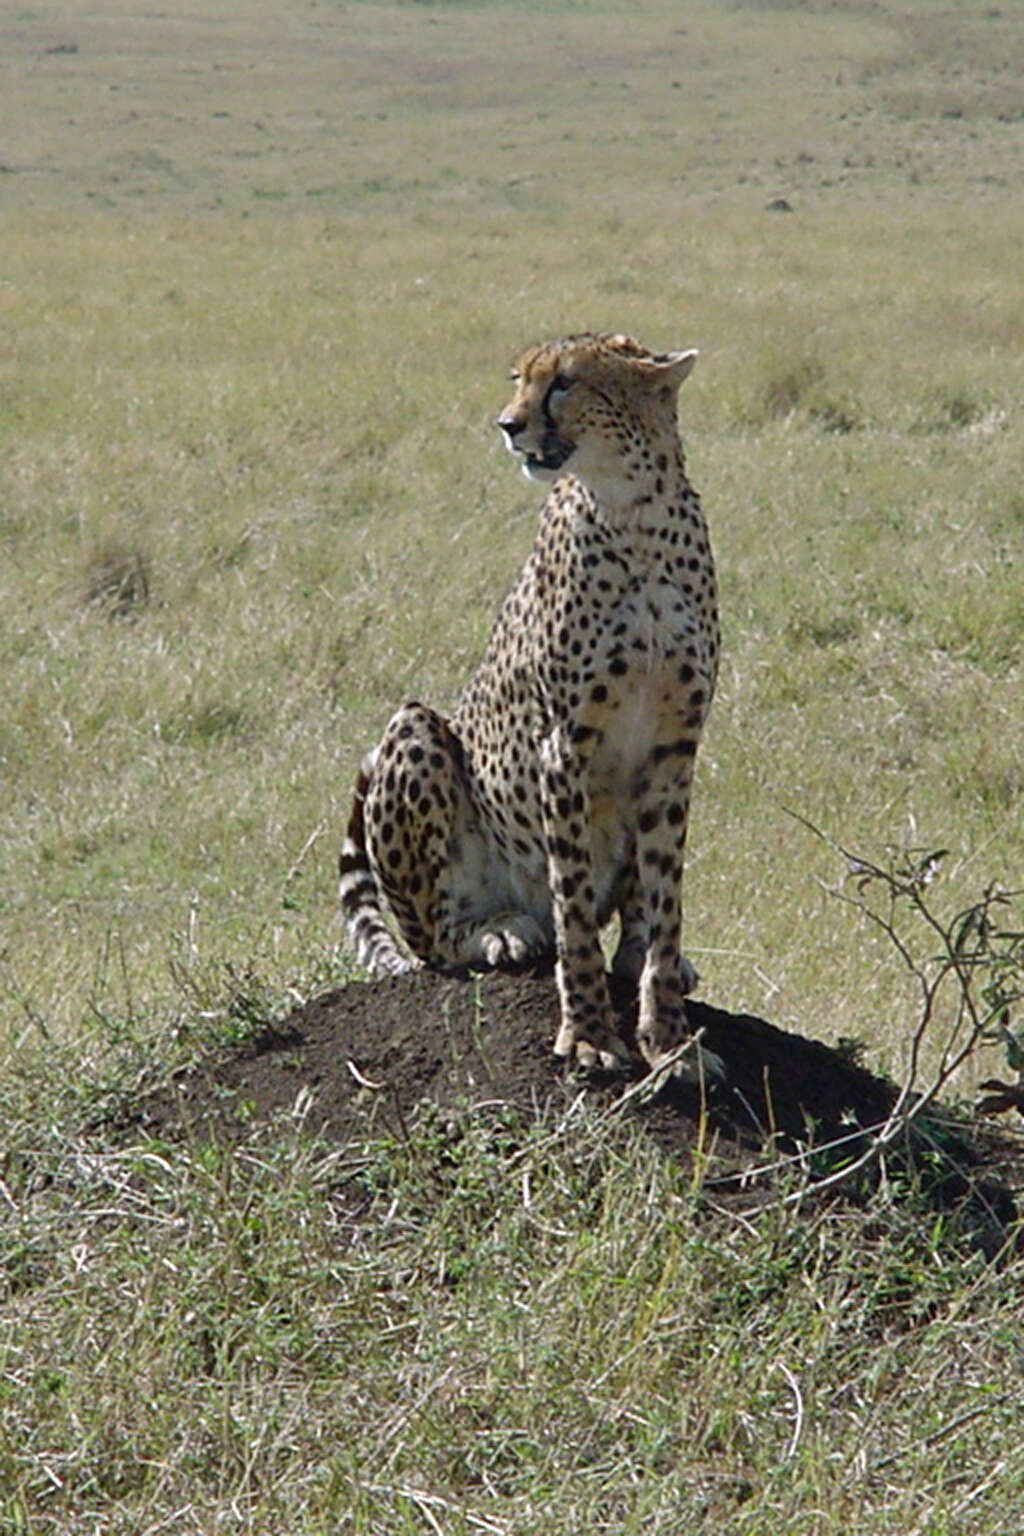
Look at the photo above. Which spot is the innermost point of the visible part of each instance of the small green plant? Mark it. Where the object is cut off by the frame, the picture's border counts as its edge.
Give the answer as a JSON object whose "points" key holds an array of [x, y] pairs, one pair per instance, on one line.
{"points": [[976, 965], [966, 967]]}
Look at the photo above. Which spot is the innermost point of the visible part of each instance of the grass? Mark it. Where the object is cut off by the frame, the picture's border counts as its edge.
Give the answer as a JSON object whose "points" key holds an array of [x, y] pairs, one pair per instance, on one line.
{"points": [[204, 566], [253, 348], [502, 1333]]}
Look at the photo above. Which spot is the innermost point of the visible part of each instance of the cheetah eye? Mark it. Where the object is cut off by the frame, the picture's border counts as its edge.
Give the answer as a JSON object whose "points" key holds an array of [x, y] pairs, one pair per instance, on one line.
{"points": [[557, 391]]}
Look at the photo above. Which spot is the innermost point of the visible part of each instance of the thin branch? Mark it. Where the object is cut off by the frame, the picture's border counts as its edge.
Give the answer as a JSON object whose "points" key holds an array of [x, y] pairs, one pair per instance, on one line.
{"points": [[983, 960]]}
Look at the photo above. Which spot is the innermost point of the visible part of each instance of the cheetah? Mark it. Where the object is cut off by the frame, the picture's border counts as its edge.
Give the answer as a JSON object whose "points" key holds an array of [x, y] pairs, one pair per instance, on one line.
{"points": [[558, 793]]}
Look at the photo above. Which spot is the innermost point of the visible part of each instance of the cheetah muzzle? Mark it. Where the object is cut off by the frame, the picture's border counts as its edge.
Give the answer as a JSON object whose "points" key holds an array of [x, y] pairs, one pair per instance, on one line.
{"points": [[557, 795]]}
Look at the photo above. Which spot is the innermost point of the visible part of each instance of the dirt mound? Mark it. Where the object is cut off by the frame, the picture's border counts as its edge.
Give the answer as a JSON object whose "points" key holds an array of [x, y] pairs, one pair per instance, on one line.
{"points": [[358, 1062]]}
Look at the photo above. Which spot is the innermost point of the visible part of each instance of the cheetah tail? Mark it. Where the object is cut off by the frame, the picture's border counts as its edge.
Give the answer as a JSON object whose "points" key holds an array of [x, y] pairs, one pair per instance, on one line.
{"points": [[369, 934]]}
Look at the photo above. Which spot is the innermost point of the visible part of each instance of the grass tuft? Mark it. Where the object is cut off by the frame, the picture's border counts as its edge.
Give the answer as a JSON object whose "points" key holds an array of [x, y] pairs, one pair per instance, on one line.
{"points": [[116, 580]]}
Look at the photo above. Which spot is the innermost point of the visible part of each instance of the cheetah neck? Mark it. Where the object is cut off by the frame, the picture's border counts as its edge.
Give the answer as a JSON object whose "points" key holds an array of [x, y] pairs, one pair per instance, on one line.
{"points": [[646, 504]]}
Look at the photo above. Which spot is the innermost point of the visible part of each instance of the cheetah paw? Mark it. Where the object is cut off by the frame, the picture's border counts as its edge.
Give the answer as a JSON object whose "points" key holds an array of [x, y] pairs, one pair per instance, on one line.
{"points": [[610, 1055], [510, 940]]}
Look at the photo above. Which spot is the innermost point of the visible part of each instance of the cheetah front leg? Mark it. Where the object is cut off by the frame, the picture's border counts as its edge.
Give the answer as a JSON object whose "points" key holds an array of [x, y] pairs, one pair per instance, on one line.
{"points": [[667, 976], [587, 1030]]}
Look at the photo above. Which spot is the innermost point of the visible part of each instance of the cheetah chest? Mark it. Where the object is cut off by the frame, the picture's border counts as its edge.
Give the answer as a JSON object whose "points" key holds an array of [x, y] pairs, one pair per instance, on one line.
{"points": [[654, 686]]}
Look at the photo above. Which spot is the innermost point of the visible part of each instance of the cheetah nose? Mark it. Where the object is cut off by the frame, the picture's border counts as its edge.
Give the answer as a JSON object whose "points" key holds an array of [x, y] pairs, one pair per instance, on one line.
{"points": [[511, 426]]}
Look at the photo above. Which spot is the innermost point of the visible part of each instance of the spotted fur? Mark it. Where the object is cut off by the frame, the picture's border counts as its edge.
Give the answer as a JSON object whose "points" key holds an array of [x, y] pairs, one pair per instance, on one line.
{"points": [[558, 793]]}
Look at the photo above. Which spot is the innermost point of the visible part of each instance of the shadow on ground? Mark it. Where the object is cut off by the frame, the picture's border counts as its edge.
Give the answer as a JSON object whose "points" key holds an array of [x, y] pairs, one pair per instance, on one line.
{"points": [[358, 1062]]}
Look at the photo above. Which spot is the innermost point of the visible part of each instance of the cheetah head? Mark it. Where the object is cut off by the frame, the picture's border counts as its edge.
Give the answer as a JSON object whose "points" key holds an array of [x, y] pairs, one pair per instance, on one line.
{"points": [[594, 406]]}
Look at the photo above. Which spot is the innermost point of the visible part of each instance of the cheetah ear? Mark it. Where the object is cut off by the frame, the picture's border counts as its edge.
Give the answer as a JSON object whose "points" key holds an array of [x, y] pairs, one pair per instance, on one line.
{"points": [[671, 368]]}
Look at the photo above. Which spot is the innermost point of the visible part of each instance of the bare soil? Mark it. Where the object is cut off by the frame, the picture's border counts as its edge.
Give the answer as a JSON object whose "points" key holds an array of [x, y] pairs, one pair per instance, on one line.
{"points": [[359, 1062]]}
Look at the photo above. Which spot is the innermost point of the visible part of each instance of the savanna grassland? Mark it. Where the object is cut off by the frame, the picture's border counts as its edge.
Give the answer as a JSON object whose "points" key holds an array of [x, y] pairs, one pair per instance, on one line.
{"points": [[262, 270]]}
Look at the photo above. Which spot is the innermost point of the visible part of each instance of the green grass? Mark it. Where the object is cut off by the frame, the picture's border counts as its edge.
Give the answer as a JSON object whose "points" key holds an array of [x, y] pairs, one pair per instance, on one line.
{"points": [[260, 278]]}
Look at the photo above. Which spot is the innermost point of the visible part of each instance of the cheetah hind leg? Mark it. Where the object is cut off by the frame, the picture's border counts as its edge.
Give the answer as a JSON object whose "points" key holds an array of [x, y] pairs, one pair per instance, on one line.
{"points": [[431, 858], [360, 894]]}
